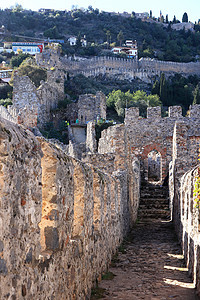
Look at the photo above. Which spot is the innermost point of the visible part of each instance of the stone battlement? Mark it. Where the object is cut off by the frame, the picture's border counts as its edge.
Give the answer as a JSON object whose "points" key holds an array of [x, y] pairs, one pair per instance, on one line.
{"points": [[61, 218], [154, 114], [144, 68]]}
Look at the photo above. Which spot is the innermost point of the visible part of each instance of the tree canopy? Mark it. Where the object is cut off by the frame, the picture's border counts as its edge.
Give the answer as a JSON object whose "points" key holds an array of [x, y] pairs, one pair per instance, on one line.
{"points": [[120, 100]]}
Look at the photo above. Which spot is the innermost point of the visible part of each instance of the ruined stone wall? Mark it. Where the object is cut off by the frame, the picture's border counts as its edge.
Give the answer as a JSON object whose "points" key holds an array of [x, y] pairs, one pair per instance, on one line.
{"points": [[31, 106], [91, 142], [26, 104], [4, 113], [70, 114], [91, 107], [114, 153], [61, 219], [48, 59]]}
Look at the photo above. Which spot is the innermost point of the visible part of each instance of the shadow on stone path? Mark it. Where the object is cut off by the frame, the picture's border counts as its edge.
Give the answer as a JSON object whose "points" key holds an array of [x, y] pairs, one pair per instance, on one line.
{"points": [[151, 267]]}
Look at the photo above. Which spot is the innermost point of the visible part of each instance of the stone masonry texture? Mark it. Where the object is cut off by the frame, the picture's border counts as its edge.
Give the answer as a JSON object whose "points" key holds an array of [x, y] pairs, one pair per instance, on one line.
{"points": [[58, 233]]}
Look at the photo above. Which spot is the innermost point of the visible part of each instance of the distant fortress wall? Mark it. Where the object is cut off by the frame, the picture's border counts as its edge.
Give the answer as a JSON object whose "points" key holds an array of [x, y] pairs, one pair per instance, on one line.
{"points": [[129, 69], [144, 68]]}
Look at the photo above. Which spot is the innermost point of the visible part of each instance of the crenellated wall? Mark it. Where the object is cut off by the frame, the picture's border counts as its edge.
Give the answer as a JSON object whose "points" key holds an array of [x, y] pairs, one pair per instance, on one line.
{"points": [[145, 68], [61, 219], [183, 172]]}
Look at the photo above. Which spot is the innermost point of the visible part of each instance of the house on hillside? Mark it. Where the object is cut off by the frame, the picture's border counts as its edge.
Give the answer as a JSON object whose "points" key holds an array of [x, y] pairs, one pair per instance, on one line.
{"points": [[28, 47], [25, 47], [129, 48], [143, 15], [2, 29], [73, 40]]}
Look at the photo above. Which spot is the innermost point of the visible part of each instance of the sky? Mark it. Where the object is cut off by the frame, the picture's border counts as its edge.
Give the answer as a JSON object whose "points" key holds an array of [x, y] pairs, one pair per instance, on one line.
{"points": [[170, 7]]}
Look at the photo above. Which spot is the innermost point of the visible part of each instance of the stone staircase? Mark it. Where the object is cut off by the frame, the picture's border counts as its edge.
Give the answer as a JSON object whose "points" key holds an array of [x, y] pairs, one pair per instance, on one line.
{"points": [[154, 202]]}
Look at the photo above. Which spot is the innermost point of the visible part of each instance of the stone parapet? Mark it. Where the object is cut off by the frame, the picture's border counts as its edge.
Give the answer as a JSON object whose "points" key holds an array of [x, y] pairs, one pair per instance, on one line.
{"points": [[61, 219]]}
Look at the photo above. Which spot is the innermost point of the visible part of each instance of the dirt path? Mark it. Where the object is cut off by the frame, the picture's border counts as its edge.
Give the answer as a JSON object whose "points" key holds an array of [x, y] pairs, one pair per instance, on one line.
{"points": [[150, 267]]}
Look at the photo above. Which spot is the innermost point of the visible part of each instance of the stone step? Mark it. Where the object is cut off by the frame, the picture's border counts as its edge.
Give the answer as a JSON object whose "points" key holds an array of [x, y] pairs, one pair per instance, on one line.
{"points": [[154, 202], [153, 214], [158, 193], [162, 200], [154, 188], [154, 205]]}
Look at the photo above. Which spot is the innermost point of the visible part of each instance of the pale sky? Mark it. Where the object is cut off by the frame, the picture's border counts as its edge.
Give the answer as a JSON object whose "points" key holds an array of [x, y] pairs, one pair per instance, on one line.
{"points": [[170, 7]]}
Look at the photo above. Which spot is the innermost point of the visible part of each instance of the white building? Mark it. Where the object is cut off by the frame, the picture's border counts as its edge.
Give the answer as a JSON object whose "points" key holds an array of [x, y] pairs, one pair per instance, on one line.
{"points": [[143, 15], [130, 52], [26, 47], [73, 40], [131, 44], [129, 48]]}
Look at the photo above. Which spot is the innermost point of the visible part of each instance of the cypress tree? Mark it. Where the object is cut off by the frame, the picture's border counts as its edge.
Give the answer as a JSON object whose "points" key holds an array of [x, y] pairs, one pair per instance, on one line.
{"points": [[163, 89], [185, 18], [156, 88], [196, 95]]}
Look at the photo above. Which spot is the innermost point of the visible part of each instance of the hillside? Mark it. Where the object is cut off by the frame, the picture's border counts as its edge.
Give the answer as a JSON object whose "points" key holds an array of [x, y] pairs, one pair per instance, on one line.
{"points": [[154, 40]]}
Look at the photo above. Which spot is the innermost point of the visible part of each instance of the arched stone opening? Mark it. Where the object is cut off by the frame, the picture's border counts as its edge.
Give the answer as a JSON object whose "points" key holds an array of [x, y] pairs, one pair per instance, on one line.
{"points": [[154, 166]]}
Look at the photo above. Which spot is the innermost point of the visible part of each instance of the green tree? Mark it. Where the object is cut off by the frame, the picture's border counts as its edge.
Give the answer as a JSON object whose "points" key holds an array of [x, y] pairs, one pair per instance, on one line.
{"points": [[196, 94], [167, 21], [78, 41], [162, 19], [120, 37], [35, 73], [17, 8], [151, 14], [163, 89], [108, 35], [174, 20], [156, 88], [119, 101], [52, 33], [185, 18], [18, 59]]}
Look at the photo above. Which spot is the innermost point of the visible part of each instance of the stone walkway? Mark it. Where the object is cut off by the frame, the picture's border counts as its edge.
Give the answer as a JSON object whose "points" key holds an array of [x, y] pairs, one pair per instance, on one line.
{"points": [[150, 266]]}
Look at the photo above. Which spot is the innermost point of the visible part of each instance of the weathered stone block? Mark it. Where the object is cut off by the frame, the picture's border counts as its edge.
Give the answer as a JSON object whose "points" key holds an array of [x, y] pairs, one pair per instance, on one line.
{"points": [[154, 112], [175, 111], [3, 267], [51, 238]]}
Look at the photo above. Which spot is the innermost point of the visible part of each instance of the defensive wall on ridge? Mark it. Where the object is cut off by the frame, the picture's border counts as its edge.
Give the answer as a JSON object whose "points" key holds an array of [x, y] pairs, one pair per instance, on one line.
{"points": [[144, 68]]}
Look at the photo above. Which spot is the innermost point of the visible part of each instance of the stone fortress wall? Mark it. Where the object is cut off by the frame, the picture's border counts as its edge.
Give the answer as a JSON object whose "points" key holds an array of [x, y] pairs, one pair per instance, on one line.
{"points": [[68, 224], [144, 68], [177, 140], [61, 219]]}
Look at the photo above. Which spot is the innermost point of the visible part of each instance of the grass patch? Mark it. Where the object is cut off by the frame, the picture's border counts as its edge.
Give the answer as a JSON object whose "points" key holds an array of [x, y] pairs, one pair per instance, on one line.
{"points": [[108, 276], [97, 293], [122, 248]]}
